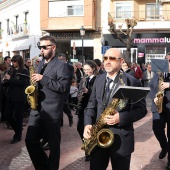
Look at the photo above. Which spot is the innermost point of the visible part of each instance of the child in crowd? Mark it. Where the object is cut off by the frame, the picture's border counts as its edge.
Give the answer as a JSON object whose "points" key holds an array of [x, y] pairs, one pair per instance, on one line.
{"points": [[73, 92]]}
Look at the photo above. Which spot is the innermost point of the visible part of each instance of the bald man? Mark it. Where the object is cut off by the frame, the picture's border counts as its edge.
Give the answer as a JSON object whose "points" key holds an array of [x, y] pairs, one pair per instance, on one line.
{"points": [[121, 123]]}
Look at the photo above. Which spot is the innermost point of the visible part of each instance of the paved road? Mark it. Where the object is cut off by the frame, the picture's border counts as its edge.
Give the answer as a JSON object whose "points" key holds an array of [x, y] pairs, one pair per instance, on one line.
{"points": [[145, 157]]}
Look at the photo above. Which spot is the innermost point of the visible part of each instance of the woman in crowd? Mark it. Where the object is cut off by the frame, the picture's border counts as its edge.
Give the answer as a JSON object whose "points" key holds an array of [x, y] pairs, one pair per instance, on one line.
{"points": [[16, 81]]}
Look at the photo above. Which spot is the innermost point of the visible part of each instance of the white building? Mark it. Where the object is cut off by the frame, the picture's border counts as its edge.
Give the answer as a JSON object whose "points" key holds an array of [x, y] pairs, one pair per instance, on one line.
{"points": [[19, 28]]}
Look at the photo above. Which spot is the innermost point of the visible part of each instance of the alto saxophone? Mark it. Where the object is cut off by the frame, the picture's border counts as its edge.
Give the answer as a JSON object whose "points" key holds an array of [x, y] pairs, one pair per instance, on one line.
{"points": [[103, 137], [160, 93], [31, 91], [80, 94]]}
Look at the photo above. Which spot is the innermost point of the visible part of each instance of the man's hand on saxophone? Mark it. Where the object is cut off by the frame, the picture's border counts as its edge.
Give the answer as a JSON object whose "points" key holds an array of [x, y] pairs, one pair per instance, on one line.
{"points": [[112, 119], [36, 77], [87, 131], [164, 85]]}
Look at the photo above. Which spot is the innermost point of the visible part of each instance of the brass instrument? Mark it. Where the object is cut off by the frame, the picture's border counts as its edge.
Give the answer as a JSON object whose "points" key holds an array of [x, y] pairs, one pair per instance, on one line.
{"points": [[103, 137], [9, 72], [160, 93], [31, 90], [80, 94]]}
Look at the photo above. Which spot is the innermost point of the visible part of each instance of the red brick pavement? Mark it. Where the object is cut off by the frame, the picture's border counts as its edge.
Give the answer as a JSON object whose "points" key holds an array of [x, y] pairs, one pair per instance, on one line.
{"points": [[145, 157]]}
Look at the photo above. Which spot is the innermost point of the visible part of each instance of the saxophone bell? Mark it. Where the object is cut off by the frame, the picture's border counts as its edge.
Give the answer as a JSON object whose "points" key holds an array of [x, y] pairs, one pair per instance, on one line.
{"points": [[105, 138]]}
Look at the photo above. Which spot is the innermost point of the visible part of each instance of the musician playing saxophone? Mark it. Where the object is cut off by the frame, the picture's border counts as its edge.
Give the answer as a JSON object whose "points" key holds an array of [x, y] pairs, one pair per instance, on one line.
{"points": [[90, 70], [16, 81], [121, 123], [161, 120]]}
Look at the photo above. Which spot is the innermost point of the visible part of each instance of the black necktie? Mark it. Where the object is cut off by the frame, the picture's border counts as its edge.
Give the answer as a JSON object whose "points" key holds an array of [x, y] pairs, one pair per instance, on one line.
{"points": [[108, 86], [87, 82]]}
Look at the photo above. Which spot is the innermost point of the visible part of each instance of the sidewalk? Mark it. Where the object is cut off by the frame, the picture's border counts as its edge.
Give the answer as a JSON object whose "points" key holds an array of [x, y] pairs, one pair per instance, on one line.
{"points": [[145, 157]]}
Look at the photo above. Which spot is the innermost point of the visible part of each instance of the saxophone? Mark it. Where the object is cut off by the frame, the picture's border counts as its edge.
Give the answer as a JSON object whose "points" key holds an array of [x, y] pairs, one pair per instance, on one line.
{"points": [[80, 94], [31, 90], [103, 137], [160, 93]]}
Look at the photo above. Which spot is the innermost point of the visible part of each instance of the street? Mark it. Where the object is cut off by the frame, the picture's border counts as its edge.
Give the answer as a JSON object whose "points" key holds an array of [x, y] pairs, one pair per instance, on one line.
{"points": [[145, 156]]}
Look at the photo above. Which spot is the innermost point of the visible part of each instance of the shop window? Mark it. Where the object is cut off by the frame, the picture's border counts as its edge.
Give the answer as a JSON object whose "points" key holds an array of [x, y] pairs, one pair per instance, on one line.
{"points": [[123, 10], [153, 11], [156, 52]]}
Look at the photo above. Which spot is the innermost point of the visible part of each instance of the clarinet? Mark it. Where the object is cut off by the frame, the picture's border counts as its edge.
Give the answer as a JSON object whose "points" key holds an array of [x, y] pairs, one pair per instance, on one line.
{"points": [[80, 94]]}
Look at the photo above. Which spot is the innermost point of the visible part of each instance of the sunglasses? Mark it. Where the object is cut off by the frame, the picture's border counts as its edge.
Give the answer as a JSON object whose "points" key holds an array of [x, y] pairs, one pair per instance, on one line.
{"points": [[13, 60], [38, 61], [111, 58], [44, 47]]}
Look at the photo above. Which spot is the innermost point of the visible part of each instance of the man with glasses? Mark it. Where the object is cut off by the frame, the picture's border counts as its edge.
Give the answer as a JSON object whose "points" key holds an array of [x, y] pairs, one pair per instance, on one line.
{"points": [[121, 123], [52, 80], [27, 63], [161, 120]]}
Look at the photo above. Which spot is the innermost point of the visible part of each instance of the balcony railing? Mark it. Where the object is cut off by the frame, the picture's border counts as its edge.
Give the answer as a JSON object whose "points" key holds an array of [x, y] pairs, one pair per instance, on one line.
{"points": [[19, 30], [141, 15]]}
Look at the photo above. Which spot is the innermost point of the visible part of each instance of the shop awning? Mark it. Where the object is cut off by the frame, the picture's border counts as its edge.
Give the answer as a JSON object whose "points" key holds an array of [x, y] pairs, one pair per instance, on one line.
{"points": [[20, 48]]}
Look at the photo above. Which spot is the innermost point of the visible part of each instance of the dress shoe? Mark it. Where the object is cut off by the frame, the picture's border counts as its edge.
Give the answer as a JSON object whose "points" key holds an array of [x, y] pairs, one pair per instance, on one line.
{"points": [[162, 154], [15, 141], [87, 158]]}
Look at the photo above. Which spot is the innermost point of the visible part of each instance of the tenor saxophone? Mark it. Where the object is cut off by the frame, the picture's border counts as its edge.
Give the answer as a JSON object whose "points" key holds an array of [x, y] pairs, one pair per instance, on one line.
{"points": [[103, 137], [160, 93], [31, 91]]}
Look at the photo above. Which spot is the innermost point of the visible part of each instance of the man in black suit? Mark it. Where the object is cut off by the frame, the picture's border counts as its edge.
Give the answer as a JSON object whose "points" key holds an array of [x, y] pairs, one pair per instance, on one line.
{"points": [[66, 108], [161, 121], [52, 79], [121, 123]]}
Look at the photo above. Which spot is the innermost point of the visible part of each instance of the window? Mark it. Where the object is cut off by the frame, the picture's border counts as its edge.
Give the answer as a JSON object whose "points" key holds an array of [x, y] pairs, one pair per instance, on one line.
{"points": [[123, 10], [8, 29], [26, 17], [153, 11]]}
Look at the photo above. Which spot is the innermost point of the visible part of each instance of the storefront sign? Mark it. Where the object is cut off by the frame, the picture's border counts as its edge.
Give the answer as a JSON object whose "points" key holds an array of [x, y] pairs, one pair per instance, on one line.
{"points": [[151, 40]]}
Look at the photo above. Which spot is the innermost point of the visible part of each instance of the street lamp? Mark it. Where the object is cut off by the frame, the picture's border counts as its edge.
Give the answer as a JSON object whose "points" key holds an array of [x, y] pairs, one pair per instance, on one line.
{"points": [[82, 33]]}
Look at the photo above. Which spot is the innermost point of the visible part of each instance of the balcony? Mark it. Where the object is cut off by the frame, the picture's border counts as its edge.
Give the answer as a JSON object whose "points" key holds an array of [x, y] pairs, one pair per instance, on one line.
{"points": [[18, 31], [156, 15], [150, 20]]}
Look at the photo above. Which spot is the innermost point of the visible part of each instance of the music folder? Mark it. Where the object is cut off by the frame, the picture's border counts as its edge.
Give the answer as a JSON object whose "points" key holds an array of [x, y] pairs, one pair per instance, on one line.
{"points": [[131, 92]]}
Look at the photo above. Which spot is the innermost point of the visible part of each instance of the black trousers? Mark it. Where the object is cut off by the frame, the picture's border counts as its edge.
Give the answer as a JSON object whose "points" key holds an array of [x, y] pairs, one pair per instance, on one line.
{"points": [[36, 129], [159, 130], [14, 113], [99, 160]]}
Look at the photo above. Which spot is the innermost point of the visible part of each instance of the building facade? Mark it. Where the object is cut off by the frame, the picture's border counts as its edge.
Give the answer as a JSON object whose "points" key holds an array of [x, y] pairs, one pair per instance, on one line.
{"points": [[19, 28], [152, 33]]}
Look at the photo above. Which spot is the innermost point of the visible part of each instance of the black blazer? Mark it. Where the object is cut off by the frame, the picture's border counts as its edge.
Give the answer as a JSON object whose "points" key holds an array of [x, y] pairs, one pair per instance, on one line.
{"points": [[124, 133], [16, 85], [54, 83]]}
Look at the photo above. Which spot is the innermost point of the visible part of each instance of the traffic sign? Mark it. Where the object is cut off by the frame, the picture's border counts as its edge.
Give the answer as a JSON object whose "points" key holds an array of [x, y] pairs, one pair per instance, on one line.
{"points": [[104, 49]]}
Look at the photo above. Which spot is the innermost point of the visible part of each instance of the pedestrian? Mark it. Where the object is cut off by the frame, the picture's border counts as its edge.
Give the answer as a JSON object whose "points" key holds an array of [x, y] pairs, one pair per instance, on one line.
{"points": [[121, 123], [161, 120], [73, 93], [27, 63], [147, 75], [138, 71], [98, 63], [126, 68], [16, 81], [66, 108], [52, 79]]}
